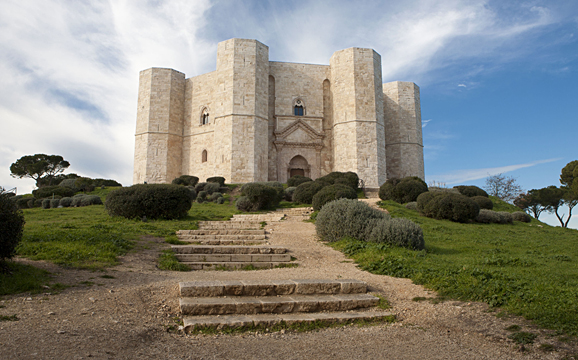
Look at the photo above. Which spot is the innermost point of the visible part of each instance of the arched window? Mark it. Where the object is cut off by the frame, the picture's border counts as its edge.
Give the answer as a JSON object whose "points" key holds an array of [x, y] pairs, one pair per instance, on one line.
{"points": [[205, 117], [298, 107], [204, 156]]}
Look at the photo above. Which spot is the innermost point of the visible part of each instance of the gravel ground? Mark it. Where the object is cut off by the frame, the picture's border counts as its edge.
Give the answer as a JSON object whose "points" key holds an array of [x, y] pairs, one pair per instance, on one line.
{"points": [[135, 315]]}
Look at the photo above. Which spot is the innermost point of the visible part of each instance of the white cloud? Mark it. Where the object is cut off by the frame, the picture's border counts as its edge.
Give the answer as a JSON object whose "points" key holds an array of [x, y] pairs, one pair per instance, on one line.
{"points": [[461, 176], [425, 122]]}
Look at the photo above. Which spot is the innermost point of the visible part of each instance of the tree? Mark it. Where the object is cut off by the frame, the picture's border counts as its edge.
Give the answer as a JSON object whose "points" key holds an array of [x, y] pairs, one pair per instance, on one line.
{"points": [[530, 202], [39, 166], [503, 187], [553, 198], [12, 225], [569, 181]]}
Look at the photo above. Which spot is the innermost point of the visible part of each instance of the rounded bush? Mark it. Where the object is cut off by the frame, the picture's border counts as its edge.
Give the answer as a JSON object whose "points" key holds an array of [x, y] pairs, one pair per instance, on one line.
{"points": [[402, 190], [346, 217], [288, 195], [48, 191], [483, 202], [244, 204], [154, 201], [69, 183], [214, 196], [193, 193], [211, 187], [411, 205], [332, 192], [46, 203], [66, 201], [494, 217], [471, 190], [202, 195], [260, 196], [521, 216], [85, 184], [54, 203], [304, 193], [220, 200], [200, 187], [103, 183], [423, 202], [90, 200], [22, 203], [186, 180], [279, 189], [297, 180], [345, 178], [12, 225], [217, 179], [447, 205], [398, 232], [31, 203]]}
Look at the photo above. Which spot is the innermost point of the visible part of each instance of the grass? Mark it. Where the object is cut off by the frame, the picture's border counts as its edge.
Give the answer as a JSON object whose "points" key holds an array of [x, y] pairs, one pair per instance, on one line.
{"points": [[168, 261], [23, 278], [522, 268], [9, 318]]}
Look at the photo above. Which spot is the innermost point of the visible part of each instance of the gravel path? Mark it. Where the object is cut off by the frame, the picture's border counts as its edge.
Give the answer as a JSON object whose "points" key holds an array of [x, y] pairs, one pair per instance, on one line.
{"points": [[134, 315]]}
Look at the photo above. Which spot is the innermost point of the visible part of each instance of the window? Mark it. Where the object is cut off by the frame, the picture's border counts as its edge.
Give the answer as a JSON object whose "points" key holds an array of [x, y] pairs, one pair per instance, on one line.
{"points": [[205, 117], [298, 107], [298, 110], [204, 156]]}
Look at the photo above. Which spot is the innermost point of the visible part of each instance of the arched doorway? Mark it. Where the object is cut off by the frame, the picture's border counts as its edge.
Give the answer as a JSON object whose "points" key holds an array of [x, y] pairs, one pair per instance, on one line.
{"points": [[298, 166]]}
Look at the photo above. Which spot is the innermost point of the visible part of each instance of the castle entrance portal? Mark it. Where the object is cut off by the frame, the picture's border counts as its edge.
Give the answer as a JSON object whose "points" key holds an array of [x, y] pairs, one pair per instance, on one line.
{"points": [[298, 166]]}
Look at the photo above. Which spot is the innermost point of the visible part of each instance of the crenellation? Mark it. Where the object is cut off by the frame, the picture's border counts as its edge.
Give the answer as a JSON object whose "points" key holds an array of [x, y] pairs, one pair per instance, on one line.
{"points": [[256, 120]]}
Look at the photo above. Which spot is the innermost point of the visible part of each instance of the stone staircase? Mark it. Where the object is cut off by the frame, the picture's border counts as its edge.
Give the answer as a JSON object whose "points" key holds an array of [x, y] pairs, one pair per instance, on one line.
{"points": [[250, 303]]}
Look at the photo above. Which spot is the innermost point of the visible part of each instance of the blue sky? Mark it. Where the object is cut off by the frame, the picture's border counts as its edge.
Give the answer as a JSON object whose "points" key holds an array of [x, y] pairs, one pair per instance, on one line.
{"points": [[498, 78]]}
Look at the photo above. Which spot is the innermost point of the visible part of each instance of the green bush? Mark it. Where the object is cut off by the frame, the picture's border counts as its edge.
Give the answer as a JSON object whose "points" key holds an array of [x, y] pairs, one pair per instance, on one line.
{"points": [[12, 225], [402, 190], [304, 193], [85, 184], [288, 195], [244, 204], [211, 187], [69, 183], [346, 178], [31, 203], [494, 217], [398, 232], [346, 217], [297, 180], [280, 190], [483, 202], [521, 216], [48, 191], [202, 197], [46, 203], [412, 205], [76, 200], [260, 196], [471, 190], [220, 200], [22, 203], [214, 196], [447, 205], [106, 183], [217, 179], [54, 203], [193, 193], [332, 192], [186, 180], [66, 201], [200, 187], [155, 201], [90, 200]]}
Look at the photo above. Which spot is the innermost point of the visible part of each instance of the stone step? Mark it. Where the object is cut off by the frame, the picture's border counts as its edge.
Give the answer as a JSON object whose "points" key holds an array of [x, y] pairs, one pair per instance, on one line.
{"points": [[218, 225], [275, 304], [226, 249], [221, 232], [234, 265], [295, 211], [252, 258], [257, 217], [271, 287], [221, 237], [269, 320], [225, 242]]}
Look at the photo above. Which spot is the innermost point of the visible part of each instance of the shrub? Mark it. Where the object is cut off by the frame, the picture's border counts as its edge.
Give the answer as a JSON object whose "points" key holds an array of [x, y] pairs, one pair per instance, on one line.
{"points": [[288, 195], [12, 225], [84, 184], [66, 201], [186, 180], [54, 203], [494, 217], [48, 191], [76, 200], [471, 190], [260, 196], [279, 189], [297, 180], [346, 178], [105, 182], [244, 204], [201, 197], [30, 203], [214, 196], [402, 190], [200, 187], [521, 216], [22, 203], [411, 205], [69, 183], [332, 192], [483, 202], [346, 217], [447, 205], [193, 193], [442, 189], [90, 200], [220, 200], [211, 187], [398, 232], [154, 201], [46, 203], [217, 179], [304, 193]]}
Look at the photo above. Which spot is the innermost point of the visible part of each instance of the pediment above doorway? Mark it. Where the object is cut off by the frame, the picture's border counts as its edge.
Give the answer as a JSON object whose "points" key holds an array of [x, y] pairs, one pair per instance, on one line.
{"points": [[299, 134]]}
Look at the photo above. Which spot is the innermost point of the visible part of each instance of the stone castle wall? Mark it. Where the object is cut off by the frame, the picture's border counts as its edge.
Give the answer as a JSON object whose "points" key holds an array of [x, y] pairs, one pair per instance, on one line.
{"points": [[351, 121]]}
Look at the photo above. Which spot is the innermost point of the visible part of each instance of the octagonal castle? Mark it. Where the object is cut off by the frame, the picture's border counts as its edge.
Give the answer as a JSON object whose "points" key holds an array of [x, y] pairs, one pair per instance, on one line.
{"points": [[258, 120]]}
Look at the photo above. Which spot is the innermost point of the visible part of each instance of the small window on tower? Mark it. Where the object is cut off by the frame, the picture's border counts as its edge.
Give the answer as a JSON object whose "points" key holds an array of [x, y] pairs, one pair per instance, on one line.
{"points": [[298, 107], [205, 117], [204, 156], [298, 110]]}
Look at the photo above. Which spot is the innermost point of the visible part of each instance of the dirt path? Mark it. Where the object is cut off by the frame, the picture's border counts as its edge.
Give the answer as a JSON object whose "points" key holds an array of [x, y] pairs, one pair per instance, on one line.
{"points": [[133, 316]]}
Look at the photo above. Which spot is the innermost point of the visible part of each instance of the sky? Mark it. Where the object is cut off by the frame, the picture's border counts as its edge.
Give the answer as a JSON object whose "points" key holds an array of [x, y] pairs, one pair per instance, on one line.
{"points": [[497, 78]]}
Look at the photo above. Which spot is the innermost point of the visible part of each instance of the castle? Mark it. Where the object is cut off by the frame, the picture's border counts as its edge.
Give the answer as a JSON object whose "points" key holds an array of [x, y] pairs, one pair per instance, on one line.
{"points": [[258, 120]]}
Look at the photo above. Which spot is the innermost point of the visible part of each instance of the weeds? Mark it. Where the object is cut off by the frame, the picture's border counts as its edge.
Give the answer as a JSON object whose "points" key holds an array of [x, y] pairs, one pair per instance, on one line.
{"points": [[9, 318], [168, 261], [523, 338]]}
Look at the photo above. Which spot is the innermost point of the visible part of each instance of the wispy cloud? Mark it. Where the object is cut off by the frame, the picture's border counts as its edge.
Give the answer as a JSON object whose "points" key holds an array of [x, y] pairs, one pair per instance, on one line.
{"points": [[462, 176]]}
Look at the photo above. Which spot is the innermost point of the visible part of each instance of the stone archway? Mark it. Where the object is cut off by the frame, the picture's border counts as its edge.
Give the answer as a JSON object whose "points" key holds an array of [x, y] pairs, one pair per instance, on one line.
{"points": [[298, 166]]}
